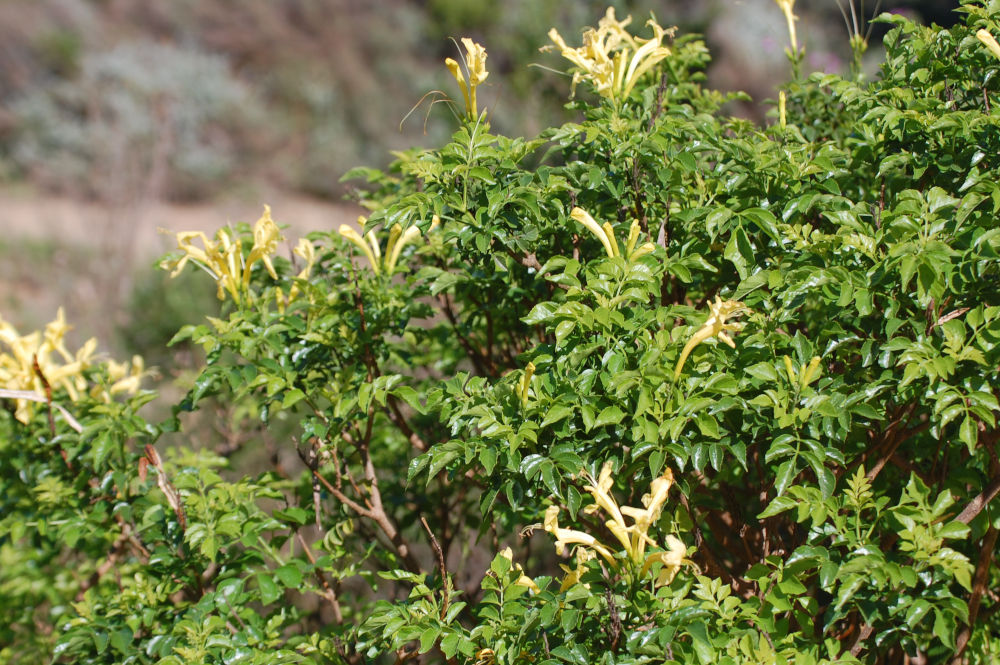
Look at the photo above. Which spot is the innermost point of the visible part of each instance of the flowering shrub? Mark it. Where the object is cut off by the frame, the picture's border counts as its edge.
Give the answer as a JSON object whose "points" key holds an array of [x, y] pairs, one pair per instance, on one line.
{"points": [[656, 386]]}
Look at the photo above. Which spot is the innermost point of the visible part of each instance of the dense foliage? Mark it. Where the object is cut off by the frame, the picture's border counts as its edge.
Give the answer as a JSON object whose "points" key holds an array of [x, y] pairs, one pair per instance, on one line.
{"points": [[656, 386]]}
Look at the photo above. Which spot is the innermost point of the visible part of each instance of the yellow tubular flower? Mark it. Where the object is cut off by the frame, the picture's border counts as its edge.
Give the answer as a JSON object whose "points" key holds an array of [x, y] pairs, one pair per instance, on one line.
{"points": [[611, 58], [715, 326], [789, 369], [566, 537], [456, 71], [672, 559], [653, 503], [523, 580], [582, 216], [573, 575], [475, 63], [348, 232], [266, 237], [600, 490], [781, 109], [307, 252], [641, 251], [394, 234], [989, 42], [408, 236], [609, 232], [811, 372], [230, 253], [529, 371], [372, 242], [62, 370], [221, 258], [633, 237], [475, 60], [790, 18], [633, 538], [645, 57]]}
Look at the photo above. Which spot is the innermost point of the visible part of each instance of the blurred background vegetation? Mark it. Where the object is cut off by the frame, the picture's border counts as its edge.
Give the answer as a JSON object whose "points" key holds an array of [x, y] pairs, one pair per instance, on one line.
{"points": [[119, 116]]}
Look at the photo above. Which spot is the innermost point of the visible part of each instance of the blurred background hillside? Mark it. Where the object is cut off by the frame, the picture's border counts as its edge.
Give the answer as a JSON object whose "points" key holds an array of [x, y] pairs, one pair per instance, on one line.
{"points": [[121, 116]]}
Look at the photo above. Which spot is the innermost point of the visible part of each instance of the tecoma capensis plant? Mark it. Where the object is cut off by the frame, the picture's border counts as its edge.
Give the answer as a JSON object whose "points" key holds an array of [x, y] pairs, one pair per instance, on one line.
{"points": [[658, 385]]}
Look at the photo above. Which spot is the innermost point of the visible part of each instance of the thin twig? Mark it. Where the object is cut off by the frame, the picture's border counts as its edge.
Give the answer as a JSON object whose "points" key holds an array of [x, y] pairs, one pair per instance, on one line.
{"points": [[441, 567], [328, 591]]}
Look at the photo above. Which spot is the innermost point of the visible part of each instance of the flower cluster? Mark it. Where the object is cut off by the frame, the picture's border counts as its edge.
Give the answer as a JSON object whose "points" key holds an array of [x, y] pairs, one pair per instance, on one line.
{"points": [[223, 257], [29, 363], [398, 239], [716, 325], [634, 538], [605, 233], [612, 59], [475, 65]]}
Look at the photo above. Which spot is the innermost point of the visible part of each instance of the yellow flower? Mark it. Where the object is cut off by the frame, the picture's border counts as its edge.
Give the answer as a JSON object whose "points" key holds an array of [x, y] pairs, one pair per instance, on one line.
{"points": [[56, 366], [715, 326], [989, 42], [611, 58], [605, 233], [348, 232], [634, 538], [125, 378], [582, 216], [398, 239], [572, 575], [529, 371], [566, 537], [404, 239], [223, 257], [523, 580], [475, 65], [672, 559], [790, 18], [266, 237]]}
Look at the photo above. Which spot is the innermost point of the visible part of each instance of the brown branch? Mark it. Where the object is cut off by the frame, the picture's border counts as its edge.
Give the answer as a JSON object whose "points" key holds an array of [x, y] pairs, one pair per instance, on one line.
{"points": [[976, 506], [328, 591], [310, 462], [380, 517], [168, 489], [979, 582], [442, 570], [859, 644], [375, 510]]}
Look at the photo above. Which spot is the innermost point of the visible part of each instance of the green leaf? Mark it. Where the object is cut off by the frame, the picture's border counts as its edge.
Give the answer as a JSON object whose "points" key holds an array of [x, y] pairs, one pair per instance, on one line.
{"points": [[764, 371], [555, 414], [785, 475], [428, 638], [968, 433], [410, 396], [610, 415], [289, 575], [702, 644], [269, 591], [777, 506]]}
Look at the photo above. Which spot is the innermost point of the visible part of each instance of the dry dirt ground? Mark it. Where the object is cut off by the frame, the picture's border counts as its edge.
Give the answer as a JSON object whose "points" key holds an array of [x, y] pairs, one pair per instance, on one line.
{"points": [[86, 256]]}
